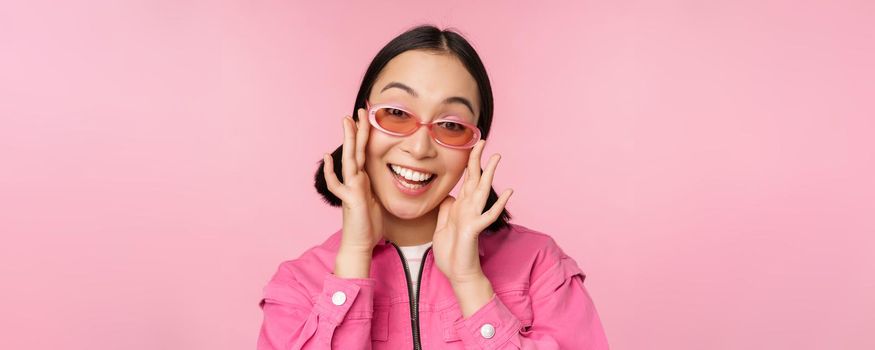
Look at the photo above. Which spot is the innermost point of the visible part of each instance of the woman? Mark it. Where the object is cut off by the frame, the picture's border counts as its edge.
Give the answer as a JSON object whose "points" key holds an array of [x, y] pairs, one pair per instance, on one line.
{"points": [[413, 267]]}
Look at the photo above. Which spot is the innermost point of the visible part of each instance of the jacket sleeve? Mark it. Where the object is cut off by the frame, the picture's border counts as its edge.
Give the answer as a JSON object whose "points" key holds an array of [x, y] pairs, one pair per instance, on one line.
{"points": [[338, 317], [564, 317]]}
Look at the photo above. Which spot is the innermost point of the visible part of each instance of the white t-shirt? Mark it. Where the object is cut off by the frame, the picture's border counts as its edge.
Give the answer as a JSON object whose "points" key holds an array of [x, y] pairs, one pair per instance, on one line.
{"points": [[413, 255]]}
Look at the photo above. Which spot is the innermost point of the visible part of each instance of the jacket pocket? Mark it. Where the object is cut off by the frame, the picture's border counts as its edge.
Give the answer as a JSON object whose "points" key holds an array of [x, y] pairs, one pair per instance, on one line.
{"points": [[380, 325]]}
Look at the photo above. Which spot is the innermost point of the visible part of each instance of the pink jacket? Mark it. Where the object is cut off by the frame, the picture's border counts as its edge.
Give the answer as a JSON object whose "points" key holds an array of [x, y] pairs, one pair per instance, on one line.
{"points": [[540, 301]]}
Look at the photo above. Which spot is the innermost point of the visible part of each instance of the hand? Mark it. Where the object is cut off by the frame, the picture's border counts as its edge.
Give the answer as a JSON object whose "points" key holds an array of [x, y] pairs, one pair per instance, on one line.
{"points": [[362, 212], [460, 221]]}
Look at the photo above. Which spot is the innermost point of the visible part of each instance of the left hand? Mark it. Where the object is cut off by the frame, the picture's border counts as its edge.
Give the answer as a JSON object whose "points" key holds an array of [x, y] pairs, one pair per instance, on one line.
{"points": [[460, 221]]}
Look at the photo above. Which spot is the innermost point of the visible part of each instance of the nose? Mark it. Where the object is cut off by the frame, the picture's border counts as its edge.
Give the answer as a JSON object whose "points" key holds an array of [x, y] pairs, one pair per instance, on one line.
{"points": [[419, 144]]}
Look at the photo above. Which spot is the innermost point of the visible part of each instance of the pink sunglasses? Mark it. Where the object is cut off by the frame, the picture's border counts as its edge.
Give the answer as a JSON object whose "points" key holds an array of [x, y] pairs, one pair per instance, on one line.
{"points": [[397, 121]]}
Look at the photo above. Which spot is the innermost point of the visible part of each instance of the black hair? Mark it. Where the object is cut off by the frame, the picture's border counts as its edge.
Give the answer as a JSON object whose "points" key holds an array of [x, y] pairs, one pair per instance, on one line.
{"points": [[430, 38]]}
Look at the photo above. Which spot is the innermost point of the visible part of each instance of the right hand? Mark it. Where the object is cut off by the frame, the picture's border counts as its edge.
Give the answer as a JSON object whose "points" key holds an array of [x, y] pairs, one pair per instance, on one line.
{"points": [[362, 212]]}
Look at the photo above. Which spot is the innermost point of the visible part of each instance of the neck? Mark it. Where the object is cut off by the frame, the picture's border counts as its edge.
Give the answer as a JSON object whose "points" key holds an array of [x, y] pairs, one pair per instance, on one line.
{"points": [[408, 232]]}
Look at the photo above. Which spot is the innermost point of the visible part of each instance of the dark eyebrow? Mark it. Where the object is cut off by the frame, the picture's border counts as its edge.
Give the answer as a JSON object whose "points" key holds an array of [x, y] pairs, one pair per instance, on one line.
{"points": [[409, 90]]}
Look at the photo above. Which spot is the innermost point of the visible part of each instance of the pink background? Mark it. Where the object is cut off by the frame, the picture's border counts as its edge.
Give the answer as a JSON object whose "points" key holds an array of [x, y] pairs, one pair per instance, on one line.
{"points": [[709, 164]]}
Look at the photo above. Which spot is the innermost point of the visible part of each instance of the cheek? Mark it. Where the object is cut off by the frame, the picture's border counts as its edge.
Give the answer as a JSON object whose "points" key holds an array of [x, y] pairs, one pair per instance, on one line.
{"points": [[376, 144], [375, 150], [456, 163]]}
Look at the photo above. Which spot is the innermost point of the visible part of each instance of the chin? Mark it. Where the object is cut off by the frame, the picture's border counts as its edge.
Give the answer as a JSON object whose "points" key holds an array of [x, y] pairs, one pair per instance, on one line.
{"points": [[406, 212]]}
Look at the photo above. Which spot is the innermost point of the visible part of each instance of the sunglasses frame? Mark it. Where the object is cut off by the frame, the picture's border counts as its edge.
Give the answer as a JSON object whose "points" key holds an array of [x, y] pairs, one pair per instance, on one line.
{"points": [[372, 118]]}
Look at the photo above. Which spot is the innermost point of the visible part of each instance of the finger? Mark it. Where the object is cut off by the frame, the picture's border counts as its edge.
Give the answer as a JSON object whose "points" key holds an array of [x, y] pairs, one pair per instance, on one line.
{"points": [[444, 210], [473, 171], [331, 180], [474, 159], [486, 179], [361, 138], [347, 158], [470, 184], [463, 190], [492, 214]]}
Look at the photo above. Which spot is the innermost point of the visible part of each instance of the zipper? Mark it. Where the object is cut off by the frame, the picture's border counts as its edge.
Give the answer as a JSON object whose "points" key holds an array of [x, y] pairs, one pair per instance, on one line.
{"points": [[414, 307]]}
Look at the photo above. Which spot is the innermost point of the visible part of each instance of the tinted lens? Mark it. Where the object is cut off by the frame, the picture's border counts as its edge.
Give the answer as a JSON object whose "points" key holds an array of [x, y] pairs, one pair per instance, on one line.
{"points": [[446, 131], [395, 120], [451, 133]]}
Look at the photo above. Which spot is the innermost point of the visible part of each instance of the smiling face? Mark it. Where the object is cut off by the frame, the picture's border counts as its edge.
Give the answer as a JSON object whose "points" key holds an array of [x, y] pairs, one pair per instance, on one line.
{"points": [[430, 86]]}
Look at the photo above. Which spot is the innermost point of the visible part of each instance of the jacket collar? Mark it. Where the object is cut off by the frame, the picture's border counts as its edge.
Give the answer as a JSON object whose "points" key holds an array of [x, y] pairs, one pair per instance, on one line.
{"points": [[385, 241]]}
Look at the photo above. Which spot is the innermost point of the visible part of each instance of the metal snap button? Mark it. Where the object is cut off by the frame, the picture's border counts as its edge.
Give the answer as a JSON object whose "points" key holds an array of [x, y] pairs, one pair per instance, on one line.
{"points": [[487, 331], [338, 298]]}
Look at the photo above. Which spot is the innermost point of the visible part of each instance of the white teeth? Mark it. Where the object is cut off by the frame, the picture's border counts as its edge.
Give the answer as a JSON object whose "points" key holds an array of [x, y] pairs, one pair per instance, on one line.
{"points": [[410, 174]]}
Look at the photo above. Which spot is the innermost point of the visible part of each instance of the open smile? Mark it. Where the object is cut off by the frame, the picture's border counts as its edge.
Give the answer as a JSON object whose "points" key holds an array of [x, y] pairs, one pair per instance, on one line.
{"points": [[409, 181]]}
